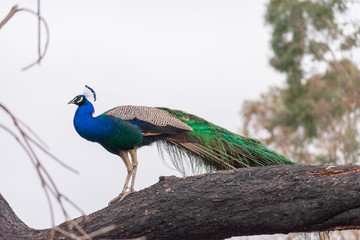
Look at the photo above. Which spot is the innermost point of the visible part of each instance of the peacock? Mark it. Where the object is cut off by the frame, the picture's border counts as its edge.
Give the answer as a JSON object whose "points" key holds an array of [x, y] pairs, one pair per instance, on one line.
{"points": [[124, 129]]}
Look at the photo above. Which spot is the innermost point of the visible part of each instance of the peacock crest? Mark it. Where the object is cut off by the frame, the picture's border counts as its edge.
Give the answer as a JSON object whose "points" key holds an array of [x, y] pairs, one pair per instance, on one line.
{"points": [[89, 93]]}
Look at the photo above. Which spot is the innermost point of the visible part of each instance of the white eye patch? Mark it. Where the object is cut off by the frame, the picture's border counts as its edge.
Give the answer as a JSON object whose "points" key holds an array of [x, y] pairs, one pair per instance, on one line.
{"points": [[79, 99]]}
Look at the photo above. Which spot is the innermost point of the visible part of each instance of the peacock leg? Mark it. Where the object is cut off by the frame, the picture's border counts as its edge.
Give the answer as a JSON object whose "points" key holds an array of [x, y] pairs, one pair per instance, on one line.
{"points": [[134, 162], [124, 156]]}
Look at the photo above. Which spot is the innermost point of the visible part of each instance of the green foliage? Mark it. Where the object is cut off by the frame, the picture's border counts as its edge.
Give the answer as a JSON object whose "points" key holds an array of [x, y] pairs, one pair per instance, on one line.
{"points": [[314, 118]]}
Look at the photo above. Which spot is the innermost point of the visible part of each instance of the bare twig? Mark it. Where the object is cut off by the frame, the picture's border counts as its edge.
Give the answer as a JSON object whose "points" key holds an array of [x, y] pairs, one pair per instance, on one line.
{"points": [[7, 18], [49, 186], [41, 54], [88, 236], [39, 31], [52, 156]]}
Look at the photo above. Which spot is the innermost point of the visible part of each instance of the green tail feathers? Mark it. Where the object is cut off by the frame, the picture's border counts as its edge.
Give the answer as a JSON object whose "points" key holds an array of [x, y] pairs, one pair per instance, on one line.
{"points": [[216, 148]]}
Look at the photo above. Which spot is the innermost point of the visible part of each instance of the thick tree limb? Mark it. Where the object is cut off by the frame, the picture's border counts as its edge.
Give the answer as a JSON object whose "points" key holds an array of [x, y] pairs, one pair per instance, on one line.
{"points": [[262, 200]]}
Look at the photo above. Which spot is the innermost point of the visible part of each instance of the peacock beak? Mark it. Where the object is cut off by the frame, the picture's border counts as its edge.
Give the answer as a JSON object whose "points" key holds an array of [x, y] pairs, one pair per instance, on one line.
{"points": [[71, 102]]}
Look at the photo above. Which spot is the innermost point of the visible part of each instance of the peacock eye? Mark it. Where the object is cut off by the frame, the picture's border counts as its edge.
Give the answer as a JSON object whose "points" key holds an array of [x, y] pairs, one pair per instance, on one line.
{"points": [[79, 99], [186, 118]]}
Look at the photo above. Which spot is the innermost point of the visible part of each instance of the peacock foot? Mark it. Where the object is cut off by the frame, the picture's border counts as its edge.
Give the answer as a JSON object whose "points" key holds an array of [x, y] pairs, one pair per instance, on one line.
{"points": [[120, 197]]}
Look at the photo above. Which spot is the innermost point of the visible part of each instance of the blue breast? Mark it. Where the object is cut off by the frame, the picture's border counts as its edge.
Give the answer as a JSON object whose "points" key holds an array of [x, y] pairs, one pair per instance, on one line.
{"points": [[112, 133]]}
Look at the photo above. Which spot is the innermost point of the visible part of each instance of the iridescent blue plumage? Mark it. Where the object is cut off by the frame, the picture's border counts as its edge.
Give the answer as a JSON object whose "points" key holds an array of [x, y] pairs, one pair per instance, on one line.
{"points": [[112, 133]]}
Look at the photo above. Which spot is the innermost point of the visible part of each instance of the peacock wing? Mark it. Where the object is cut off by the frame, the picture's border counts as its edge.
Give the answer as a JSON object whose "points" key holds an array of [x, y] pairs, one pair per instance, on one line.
{"points": [[152, 121]]}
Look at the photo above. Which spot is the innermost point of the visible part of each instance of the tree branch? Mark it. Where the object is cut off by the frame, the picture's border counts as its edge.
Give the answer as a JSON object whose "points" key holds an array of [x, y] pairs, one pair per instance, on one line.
{"points": [[251, 201], [10, 14]]}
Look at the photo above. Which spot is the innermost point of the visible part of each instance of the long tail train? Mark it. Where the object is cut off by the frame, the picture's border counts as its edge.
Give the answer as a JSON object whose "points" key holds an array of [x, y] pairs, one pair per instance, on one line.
{"points": [[216, 148]]}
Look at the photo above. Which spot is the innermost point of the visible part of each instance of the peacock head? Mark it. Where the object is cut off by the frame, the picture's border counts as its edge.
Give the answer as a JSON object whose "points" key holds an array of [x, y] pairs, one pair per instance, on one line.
{"points": [[78, 100], [82, 99]]}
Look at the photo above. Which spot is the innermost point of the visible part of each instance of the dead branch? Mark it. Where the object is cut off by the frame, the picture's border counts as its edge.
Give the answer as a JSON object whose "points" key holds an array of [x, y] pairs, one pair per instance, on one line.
{"points": [[10, 15], [41, 55], [27, 142], [251, 201]]}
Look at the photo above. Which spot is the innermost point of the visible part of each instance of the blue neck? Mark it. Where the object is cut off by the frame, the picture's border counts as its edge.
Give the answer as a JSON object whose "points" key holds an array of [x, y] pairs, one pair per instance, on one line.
{"points": [[85, 123], [87, 109], [112, 133]]}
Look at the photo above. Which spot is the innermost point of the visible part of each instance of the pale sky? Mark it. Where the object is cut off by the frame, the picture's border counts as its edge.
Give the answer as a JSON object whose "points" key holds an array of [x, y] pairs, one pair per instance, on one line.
{"points": [[201, 56]]}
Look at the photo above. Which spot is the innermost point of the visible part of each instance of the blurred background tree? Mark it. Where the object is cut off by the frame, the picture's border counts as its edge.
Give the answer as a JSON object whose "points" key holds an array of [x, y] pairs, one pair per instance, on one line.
{"points": [[314, 117]]}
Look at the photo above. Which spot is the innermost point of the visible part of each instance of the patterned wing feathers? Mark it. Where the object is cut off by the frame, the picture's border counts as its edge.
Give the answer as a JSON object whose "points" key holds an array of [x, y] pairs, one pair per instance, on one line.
{"points": [[150, 115]]}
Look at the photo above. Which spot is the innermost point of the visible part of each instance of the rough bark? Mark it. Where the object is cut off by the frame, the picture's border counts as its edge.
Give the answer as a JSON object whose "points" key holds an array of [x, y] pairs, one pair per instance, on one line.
{"points": [[252, 201]]}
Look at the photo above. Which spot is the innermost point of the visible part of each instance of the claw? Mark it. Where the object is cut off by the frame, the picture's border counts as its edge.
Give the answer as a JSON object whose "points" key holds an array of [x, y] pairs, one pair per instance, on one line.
{"points": [[120, 197]]}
